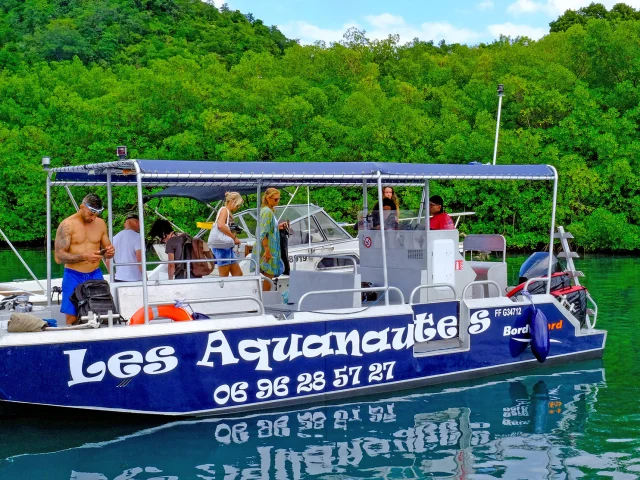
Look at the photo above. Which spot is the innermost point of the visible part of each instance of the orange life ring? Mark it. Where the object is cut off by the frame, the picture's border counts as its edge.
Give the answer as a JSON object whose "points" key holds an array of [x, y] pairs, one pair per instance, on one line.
{"points": [[176, 314]]}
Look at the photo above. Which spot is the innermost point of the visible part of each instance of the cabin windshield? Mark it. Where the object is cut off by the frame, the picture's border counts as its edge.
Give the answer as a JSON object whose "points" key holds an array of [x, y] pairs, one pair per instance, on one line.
{"points": [[407, 220], [322, 229]]}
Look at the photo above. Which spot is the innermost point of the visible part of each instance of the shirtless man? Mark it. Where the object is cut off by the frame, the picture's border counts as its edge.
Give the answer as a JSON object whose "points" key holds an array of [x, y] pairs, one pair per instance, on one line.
{"points": [[81, 241]]}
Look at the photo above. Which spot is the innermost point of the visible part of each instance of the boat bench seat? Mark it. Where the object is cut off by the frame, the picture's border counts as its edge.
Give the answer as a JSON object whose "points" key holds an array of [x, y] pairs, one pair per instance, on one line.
{"points": [[213, 296], [496, 271], [487, 270], [304, 281]]}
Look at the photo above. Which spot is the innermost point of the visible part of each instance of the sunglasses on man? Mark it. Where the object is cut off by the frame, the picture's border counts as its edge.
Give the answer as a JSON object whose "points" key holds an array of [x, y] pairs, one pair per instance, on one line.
{"points": [[97, 211]]}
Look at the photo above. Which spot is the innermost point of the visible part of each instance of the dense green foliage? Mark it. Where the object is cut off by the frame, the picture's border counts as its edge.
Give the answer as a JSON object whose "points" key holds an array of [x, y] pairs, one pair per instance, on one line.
{"points": [[182, 79]]}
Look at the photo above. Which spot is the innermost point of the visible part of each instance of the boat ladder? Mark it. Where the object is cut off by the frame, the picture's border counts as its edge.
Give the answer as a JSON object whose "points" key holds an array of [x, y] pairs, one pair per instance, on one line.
{"points": [[592, 310]]}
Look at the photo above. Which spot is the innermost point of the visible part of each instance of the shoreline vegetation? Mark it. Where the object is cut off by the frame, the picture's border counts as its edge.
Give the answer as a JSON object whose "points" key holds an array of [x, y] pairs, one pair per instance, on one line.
{"points": [[182, 79]]}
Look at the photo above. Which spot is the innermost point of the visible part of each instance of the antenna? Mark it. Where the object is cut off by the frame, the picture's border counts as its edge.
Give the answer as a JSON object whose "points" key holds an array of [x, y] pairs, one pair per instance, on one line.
{"points": [[500, 95]]}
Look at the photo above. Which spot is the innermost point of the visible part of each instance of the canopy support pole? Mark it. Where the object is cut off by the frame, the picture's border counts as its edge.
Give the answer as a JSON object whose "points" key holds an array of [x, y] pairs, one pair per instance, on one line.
{"points": [[365, 202], [112, 275], [73, 200], [427, 195], [384, 243], [309, 218], [553, 226], [143, 250], [258, 244], [48, 239]]}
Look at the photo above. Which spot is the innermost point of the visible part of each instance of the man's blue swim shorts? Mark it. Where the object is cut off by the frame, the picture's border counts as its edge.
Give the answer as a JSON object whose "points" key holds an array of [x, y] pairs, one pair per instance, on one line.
{"points": [[70, 280]]}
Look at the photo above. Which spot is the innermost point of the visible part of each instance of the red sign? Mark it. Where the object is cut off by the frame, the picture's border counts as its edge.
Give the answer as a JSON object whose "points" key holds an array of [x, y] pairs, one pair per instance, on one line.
{"points": [[367, 242], [459, 264]]}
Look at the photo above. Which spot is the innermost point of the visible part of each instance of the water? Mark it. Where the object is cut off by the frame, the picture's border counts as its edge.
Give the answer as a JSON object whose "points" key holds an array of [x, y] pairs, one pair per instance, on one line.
{"points": [[581, 421]]}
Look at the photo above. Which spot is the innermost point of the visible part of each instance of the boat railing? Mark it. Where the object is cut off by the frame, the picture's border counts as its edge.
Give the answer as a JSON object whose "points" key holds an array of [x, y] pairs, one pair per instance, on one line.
{"points": [[190, 261], [352, 290], [217, 300], [480, 282], [534, 279], [434, 285], [591, 324]]}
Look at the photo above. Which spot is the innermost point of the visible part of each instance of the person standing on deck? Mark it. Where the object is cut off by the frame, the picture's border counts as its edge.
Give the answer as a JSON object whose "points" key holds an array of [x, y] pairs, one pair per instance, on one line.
{"points": [[81, 241], [270, 262], [226, 264], [440, 220], [162, 230], [128, 250]]}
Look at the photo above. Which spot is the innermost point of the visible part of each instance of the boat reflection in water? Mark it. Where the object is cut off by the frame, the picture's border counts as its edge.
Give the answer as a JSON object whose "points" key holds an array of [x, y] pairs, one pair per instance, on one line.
{"points": [[511, 427]]}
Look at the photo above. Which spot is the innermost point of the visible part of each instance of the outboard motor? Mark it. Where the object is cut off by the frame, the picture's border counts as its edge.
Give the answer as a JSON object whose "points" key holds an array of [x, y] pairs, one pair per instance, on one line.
{"points": [[537, 266], [573, 297]]}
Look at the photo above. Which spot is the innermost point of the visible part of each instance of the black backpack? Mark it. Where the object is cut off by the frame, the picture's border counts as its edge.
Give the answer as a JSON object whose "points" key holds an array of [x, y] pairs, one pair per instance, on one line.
{"points": [[95, 296]]}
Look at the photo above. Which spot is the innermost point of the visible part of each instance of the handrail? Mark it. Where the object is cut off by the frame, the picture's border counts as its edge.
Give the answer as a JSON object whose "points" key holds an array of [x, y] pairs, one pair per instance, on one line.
{"points": [[526, 285], [591, 325], [193, 260], [420, 287], [318, 255], [215, 300], [267, 279], [208, 279], [481, 282], [352, 290]]}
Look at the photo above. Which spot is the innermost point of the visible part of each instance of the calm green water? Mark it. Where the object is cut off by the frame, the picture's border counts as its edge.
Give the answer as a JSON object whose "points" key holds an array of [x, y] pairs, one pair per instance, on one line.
{"points": [[577, 422]]}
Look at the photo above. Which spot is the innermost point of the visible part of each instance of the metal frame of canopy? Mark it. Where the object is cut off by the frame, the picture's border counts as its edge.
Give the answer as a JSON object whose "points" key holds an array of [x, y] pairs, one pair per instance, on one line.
{"points": [[150, 173]]}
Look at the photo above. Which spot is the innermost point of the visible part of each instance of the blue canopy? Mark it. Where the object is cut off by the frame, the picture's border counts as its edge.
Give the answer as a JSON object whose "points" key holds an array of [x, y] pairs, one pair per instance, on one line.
{"points": [[202, 194], [248, 174]]}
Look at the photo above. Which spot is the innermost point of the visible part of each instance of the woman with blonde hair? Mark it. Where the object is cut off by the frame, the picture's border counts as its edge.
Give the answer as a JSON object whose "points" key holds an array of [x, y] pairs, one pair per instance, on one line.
{"points": [[232, 201], [270, 262]]}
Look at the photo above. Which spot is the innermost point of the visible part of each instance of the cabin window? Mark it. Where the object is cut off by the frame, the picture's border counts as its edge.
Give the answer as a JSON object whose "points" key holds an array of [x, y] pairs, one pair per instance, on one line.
{"points": [[328, 263], [302, 233], [332, 231]]}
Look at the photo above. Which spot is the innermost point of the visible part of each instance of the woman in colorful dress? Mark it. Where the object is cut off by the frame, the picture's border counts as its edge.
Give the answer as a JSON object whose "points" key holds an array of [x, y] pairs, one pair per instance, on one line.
{"points": [[270, 262], [232, 201]]}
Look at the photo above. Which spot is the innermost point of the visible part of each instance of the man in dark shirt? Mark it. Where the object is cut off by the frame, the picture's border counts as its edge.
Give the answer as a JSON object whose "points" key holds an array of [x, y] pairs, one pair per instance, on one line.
{"points": [[174, 243], [174, 249]]}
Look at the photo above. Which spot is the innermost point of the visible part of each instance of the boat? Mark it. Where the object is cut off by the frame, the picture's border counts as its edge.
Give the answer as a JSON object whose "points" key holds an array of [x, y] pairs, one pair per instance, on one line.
{"points": [[413, 312], [517, 431]]}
